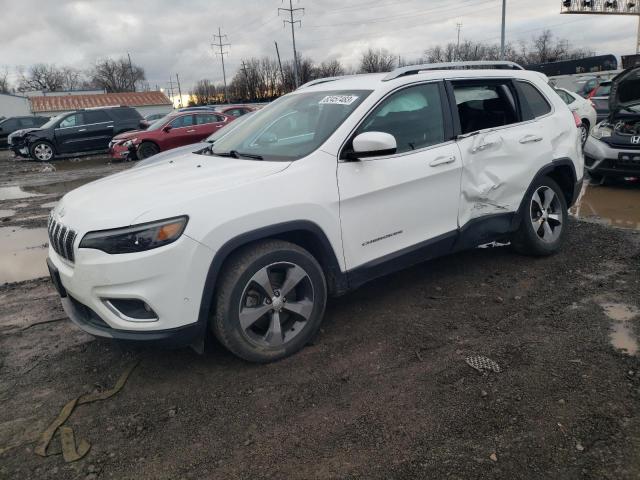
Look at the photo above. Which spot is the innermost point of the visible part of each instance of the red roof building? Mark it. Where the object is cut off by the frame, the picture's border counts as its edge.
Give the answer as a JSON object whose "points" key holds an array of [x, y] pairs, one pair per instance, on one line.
{"points": [[55, 104]]}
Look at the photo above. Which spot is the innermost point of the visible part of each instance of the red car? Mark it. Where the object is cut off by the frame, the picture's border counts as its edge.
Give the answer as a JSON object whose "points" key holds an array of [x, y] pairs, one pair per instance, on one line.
{"points": [[235, 110], [174, 130]]}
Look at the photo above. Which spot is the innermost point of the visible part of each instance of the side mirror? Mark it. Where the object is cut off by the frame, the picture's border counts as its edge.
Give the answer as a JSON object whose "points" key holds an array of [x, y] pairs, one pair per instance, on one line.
{"points": [[374, 144], [167, 129]]}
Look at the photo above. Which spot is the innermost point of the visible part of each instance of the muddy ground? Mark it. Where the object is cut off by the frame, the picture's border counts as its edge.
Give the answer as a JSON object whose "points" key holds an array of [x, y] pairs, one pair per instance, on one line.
{"points": [[384, 392]]}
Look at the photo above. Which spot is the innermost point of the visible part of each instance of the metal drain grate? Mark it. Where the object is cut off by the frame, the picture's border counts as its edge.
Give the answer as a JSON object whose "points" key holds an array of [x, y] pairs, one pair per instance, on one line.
{"points": [[482, 364]]}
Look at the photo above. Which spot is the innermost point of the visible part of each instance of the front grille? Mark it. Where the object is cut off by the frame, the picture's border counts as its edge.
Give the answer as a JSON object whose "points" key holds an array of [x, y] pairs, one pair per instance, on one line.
{"points": [[61, 239]]}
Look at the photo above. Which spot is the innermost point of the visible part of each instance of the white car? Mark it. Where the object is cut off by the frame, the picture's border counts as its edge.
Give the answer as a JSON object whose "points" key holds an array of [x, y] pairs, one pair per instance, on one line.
{"points": [[583, 108], [339, 182]]}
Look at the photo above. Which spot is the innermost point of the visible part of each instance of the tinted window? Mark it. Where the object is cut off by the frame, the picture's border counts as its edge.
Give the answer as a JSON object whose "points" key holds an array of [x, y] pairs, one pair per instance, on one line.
{"points": [[413, 116], [10, 124], [184, 121], [71, 121], [125, 113], [208, 118], [484, 106], [566, 98], [96, 116], [27, 122], [531, 96]]}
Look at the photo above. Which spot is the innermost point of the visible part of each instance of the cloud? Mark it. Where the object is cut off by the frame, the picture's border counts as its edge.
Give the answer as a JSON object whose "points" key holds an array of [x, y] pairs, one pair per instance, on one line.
{"points": [[168, 37]]}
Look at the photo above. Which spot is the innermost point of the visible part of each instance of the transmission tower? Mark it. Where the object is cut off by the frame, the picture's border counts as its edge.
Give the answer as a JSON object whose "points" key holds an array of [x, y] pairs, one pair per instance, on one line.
{"points": [[604, 7], [218, 42], [292, 22]]}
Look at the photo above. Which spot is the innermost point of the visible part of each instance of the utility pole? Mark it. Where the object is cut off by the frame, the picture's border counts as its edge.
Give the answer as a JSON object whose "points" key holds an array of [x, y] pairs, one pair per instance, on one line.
{"points": [[171, 97], [132, 82], [246, 77], [504, 17], [179, 89], [292, 22], [219, 38], [279, 63], [458, 27]]}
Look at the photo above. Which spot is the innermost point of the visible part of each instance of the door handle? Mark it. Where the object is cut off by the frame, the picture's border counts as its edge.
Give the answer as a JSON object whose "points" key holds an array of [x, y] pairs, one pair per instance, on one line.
{"points": [[82, 130], [190, 131], [530, 139], [486, 145], [443, 160]]}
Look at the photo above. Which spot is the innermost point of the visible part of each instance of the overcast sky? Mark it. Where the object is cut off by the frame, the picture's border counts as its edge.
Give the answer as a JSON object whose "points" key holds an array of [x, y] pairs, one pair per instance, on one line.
{"points": [[169, 36]]}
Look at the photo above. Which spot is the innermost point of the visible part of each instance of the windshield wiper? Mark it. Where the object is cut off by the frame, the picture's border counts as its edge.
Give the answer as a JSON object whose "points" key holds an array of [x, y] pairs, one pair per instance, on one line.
{"points": [[236, 154]]}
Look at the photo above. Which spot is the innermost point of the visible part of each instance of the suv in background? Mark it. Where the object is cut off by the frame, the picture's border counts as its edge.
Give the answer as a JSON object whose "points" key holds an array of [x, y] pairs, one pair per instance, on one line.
{"points": [[337, 183], [81, 131], [13, 124], [171, 131]]}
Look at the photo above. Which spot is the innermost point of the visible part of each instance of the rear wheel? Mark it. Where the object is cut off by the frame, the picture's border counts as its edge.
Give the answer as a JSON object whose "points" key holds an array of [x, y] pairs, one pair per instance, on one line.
{"points": [[42, 151], [544, 218], [584, 131], [270, 302], [146, 150]]}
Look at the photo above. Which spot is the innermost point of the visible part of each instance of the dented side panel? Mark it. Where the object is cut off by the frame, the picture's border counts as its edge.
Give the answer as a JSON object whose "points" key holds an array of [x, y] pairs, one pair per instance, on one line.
{"points": [[498, 167]]}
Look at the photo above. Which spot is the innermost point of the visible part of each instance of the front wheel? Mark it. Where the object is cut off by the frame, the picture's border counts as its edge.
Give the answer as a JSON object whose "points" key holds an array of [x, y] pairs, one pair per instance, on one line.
{"points": [[42, 151], [544, 217], [270, 301], [146, 150], [584, 132]]}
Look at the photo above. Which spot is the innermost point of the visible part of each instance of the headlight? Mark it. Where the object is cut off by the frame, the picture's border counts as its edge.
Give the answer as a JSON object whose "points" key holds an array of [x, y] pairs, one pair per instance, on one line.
{"points": [[137, 238], [129, 143], [602, 130]]}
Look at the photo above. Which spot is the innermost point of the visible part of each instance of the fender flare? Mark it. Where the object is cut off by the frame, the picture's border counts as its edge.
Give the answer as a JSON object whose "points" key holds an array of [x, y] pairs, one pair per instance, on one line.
{"points": [[335, 277]]}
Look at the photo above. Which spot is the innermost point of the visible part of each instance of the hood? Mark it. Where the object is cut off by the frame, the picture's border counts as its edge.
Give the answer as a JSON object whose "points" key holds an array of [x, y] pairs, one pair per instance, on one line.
{"points": [[21, 133], [127, 135], [161, 190], [625, 90], [172, 154]]}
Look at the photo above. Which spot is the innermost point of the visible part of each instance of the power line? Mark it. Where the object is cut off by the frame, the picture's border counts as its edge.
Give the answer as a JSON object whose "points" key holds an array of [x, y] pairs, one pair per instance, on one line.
{"points": [[222, 53], [292, 22]]}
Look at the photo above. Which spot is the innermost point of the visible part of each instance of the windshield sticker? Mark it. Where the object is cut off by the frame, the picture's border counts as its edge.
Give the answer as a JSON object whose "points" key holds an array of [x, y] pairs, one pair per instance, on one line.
{"points": [[338, 99]]}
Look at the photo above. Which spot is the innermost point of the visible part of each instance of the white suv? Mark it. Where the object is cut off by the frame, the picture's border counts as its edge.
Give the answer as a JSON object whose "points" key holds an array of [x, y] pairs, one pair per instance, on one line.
{"points": [[342, 181]]}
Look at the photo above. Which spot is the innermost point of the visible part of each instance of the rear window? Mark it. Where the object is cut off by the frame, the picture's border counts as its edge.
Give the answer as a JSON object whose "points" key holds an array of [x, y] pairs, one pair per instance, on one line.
{"points": [[484, 105], [602, 91], [127, 113], [531, 97], [96, 116]]}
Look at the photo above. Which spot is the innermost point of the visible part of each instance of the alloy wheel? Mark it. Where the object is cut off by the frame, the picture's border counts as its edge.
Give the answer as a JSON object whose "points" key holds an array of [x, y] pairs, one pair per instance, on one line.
{"points": [[276, 304], [43, 152], [546, 214], [584, 133]]}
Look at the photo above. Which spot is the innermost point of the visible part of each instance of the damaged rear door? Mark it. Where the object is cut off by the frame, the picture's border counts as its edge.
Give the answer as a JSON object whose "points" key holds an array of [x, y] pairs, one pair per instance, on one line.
{"points": [[501, 143]]}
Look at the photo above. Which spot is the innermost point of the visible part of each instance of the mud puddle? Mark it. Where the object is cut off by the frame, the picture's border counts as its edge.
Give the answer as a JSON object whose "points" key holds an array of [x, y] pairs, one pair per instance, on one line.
{"points": [[58, 188], [622, 335], [7, 213], [617, 205], [23, 254], [15, 193], [79, 163]]}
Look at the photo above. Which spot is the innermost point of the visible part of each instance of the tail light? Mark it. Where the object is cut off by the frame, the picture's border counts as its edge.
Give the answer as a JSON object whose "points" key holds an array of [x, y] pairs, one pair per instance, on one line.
{"points": [[592, 93], [577, 119]]}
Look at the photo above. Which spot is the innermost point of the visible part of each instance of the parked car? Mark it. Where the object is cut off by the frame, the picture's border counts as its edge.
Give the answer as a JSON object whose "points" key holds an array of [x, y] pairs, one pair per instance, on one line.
{"points": [[205, 146], [149, 119], [13, 124], [204, 108], [613, 149], [599, 98], [583, 108], [81, 131], [171, 131], [337, 183], [236, 111]]}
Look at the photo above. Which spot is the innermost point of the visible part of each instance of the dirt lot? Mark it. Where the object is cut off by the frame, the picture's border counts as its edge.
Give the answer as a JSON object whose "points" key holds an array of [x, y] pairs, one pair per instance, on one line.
{"points": [[384, 392]]}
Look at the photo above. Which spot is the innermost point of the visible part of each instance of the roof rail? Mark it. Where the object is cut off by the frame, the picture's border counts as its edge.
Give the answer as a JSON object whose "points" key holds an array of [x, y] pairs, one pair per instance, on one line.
{"points": [[320, 80], [475, 65]]}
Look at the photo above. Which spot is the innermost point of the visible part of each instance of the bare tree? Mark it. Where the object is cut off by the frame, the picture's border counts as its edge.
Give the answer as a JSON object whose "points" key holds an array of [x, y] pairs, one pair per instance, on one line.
{"points": [[379, 60], [5, 87], [330, 68], [204, 92], [116, 75], [41, 76]]}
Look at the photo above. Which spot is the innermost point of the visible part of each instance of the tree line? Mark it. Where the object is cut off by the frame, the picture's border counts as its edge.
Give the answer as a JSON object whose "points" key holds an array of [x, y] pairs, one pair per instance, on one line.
{"points": [[263, 79], [111, 75]]}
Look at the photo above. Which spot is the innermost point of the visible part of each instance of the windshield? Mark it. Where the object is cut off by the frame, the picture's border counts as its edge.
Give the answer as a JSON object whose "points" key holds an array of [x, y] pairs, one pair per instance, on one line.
{"points": [[292, 126], [158, 124], [227, 128], [52, 121]]}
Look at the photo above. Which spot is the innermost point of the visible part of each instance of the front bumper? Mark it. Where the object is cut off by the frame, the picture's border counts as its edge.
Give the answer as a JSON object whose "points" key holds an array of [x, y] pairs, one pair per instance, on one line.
{"points": [[169, 279], [119, 152], [603, 159], [21, 149]]}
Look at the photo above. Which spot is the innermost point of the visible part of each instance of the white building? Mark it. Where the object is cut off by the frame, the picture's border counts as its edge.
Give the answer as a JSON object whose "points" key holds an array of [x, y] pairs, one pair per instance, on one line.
{"points": [[14, 106]]}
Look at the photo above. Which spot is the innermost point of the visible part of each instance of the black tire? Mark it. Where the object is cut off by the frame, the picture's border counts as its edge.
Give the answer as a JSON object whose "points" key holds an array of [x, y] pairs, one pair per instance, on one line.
{"points": [[38, 149], [237, 289], [146, 150], [529, 240], [585, 128]]}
